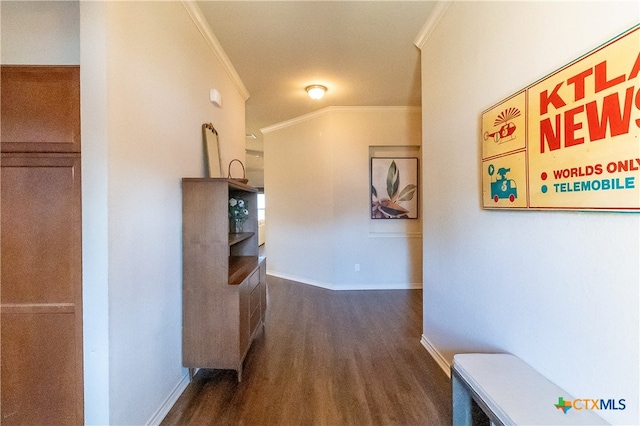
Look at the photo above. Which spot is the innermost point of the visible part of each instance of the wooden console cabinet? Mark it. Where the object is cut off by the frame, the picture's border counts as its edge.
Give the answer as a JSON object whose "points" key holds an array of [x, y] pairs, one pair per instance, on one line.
{"points": [[223, 277]]}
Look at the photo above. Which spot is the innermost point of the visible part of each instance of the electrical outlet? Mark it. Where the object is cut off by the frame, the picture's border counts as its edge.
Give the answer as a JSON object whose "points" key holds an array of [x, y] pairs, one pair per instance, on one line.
{"points": [[357, 267]]}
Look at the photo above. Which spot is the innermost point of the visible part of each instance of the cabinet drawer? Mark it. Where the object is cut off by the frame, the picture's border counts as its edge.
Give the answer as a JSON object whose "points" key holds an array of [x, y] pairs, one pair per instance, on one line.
{"points": [[254, 279], [254, 321], [254, 300]]}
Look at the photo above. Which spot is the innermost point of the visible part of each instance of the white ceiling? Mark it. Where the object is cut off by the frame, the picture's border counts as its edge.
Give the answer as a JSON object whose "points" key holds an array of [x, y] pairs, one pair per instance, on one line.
{"points": [[362, 51]]}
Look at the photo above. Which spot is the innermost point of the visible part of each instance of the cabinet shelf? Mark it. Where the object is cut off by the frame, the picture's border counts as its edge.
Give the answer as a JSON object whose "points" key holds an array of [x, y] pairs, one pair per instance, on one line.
{"points": [[240, 267], [239, 237]]}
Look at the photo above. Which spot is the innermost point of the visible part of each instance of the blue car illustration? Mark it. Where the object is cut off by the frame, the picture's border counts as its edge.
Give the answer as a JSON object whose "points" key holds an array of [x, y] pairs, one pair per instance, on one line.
{"points": [[502, 187]]}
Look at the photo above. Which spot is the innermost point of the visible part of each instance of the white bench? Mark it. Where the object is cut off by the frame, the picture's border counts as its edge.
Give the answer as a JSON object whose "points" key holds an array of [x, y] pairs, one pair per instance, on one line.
{"points": [[509, 392]]}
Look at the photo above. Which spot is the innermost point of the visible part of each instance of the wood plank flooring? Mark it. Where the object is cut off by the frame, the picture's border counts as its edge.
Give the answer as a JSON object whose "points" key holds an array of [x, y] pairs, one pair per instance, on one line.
{"points": [[327, 358]]}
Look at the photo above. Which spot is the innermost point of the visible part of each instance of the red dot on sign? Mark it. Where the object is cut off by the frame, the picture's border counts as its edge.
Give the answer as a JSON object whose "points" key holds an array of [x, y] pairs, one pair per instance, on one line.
{"points": [[544, 176]]}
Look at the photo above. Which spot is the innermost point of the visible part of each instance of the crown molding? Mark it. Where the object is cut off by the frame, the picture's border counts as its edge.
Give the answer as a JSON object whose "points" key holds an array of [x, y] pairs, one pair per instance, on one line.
{"points": [[201, 23], [326, 110], [293, 121], [432, 22]]}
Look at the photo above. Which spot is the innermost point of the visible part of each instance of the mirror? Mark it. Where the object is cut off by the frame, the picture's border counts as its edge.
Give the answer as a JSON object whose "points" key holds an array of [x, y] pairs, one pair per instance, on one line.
{"points": [[211, 151]]}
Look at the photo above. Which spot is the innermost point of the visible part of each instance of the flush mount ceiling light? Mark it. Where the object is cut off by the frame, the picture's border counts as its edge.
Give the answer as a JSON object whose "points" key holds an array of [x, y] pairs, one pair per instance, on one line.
{"points": [[316, 91]]}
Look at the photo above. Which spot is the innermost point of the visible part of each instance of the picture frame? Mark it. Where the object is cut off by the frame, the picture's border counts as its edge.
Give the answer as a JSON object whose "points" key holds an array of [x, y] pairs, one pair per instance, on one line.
{"points": [[211, 143], [394, 187]]}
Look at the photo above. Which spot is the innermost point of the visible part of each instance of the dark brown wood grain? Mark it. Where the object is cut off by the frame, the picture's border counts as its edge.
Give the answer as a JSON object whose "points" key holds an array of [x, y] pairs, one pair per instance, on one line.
{"points": [[41, 321], [41, 380], [40, 108], [327, 358]]}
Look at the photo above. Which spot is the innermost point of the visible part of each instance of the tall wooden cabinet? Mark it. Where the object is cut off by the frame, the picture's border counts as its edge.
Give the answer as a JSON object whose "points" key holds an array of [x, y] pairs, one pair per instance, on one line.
{"points": [[224, 278], [40, 218]]}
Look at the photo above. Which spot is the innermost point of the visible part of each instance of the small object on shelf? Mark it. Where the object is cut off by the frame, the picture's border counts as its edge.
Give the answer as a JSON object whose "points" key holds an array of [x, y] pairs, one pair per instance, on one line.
{"points": [[212, 150], [236, 226], [238, 213], [243, 179]]}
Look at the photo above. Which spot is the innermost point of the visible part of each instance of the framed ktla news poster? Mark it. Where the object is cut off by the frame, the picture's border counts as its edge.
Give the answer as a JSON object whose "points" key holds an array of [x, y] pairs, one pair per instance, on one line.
{"points": [[571, 140]]}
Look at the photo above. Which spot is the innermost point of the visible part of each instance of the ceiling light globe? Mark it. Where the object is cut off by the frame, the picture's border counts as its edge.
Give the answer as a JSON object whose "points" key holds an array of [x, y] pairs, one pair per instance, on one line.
{"points": [[316, 91]]}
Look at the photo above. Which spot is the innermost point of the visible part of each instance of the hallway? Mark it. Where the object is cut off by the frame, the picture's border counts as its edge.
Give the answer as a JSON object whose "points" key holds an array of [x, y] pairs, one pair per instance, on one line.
{"points": [[327, 358]]}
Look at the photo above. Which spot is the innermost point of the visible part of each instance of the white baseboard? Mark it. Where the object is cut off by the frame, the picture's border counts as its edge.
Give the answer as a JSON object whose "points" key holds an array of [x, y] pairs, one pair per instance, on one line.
{"points": [[436, 355], [299, 279], [362, 286], [161, 412]]}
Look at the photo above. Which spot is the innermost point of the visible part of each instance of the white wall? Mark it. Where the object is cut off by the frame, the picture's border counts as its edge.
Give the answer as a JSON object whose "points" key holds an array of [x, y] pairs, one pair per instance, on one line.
{"points": [[318, 207], [95, 211], [557, 289], [40, 33], [146, 73]]}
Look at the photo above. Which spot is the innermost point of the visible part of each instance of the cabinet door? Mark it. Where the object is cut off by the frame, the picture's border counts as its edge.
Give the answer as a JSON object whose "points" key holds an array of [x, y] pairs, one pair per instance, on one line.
{"points": [[41, 324], [244, 331], [40, 108], [254, 302]]}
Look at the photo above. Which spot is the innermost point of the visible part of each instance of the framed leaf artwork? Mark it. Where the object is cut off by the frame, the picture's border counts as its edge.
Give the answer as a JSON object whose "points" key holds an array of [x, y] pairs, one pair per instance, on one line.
{"points": [[394, 188]]}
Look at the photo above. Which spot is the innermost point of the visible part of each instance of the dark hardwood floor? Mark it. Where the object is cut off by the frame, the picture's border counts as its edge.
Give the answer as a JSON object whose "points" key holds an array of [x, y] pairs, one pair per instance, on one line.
{"points": [[327, 358]]}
